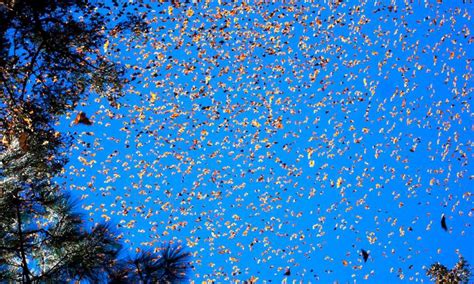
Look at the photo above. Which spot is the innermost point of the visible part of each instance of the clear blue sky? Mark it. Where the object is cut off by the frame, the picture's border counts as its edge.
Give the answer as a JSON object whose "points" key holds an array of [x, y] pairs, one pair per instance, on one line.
{"points": [[278, 136]]}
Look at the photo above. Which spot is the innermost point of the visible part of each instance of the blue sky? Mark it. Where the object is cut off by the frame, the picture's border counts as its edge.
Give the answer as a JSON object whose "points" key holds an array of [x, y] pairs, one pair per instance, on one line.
{"points": [[282, 136]]}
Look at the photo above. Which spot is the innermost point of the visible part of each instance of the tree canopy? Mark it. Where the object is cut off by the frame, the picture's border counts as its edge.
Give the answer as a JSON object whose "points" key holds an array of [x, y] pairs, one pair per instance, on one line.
{"points": [[460, 273], [49, 61]]}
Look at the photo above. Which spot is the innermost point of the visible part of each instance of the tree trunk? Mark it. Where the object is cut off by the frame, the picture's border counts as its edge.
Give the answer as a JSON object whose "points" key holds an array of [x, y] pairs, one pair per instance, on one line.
{"points": [[24, 264]]}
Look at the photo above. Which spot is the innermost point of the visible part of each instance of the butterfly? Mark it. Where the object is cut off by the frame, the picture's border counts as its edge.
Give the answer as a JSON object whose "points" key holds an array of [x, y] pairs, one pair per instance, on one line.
{"points": [[443, 223], [82, 118], [23, 141], [365, 255], [175, 3]]}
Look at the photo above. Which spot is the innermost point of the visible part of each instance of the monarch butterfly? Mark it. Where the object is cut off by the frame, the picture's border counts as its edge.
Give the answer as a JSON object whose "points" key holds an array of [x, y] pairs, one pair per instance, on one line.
{"points": [[443, 223], [23, 141], [175, 3], [365, 255], [82, 118]]}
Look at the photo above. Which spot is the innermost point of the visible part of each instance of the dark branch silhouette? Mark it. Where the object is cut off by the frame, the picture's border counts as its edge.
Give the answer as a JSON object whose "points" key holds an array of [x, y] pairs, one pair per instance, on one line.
{"points": [[460, 273], [50, 59]]}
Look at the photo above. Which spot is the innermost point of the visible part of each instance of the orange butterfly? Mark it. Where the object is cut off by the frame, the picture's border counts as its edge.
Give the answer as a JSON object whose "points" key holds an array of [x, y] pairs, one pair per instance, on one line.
{"points": [[82, 118]]}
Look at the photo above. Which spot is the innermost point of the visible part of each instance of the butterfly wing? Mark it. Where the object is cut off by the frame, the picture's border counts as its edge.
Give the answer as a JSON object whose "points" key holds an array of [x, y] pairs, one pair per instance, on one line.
{"points": [[443, 223], [365, 255]]}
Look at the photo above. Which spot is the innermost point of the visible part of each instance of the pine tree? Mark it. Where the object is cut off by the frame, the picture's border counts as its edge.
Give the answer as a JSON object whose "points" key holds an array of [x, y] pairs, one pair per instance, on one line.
{"points": [[460, 273], [41, 238], [50, 54], [169, 266], [49, 61]]}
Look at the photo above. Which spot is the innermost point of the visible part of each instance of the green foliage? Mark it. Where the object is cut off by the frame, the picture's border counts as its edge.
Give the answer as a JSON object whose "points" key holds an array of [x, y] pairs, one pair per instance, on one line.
{"points": [[169, 266], [51, 54], [40, 235], [49, 60]]}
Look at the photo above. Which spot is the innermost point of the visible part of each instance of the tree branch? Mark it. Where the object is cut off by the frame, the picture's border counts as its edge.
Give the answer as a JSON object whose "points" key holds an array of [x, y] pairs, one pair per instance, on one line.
{"points": [[30, 70], [24, 265], [5, 83], [8, 248]]}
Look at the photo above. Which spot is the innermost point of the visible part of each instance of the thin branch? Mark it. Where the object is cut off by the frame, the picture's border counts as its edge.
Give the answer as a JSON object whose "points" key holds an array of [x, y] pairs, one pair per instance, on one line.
{"points": [[32, 232], [24, 266], [8, 248], [10, 92], [140, 274], [53, 269], [30, 71]]}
